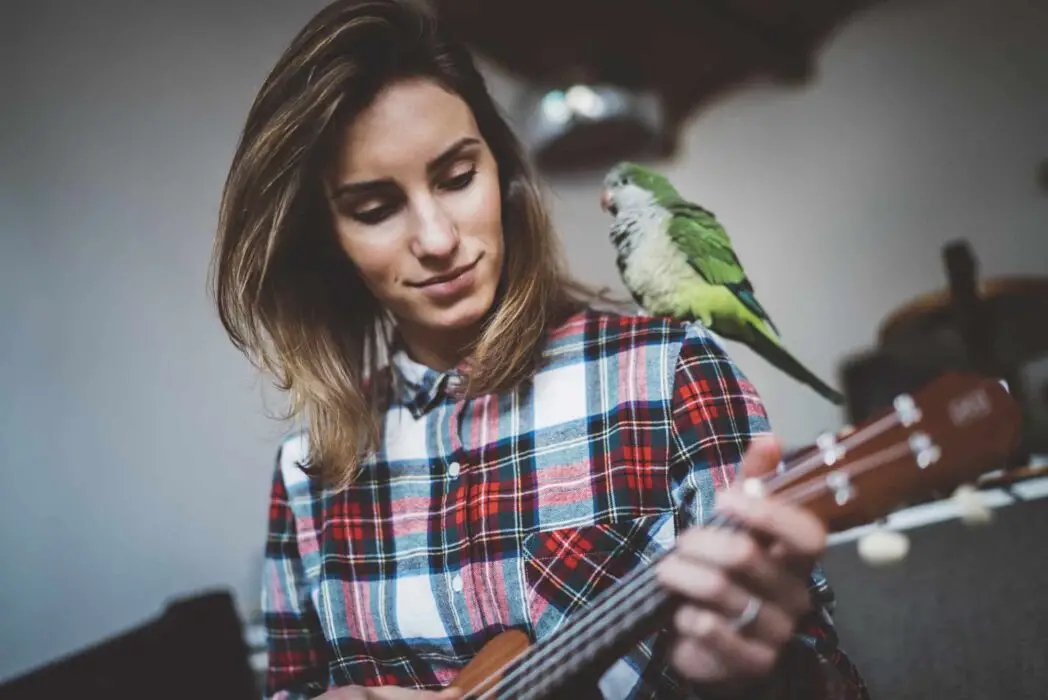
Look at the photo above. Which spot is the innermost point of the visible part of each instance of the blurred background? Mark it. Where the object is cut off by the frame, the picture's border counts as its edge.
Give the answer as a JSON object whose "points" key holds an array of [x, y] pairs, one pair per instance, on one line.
{"points": [[842, 145]]}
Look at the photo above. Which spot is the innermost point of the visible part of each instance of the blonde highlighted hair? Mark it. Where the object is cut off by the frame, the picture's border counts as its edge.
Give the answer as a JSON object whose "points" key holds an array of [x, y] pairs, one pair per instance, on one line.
{"points": [[287, 294]]}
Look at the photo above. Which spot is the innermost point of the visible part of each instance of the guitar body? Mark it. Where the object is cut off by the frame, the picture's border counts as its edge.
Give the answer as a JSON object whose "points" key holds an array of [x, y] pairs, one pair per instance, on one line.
{"points": [[482, 674]]}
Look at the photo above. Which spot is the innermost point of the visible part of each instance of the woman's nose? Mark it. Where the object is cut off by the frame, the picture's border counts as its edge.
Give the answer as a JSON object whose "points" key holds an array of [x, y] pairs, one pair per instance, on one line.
{"points": [[437, 235]]}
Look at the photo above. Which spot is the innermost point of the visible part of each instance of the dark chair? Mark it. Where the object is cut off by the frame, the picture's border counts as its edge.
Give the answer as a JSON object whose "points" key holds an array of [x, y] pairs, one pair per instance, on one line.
{"points": [[195, 649]]}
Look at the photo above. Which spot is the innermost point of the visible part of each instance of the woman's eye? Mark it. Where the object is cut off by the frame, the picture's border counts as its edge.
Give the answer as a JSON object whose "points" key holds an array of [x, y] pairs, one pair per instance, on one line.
{"points": [[460, 182], [374, 215]]}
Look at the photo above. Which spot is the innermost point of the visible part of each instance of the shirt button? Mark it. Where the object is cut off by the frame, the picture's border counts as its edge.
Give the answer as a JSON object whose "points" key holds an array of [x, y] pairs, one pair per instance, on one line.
{"points": [[454, 387], [456, 583], [453, 469]]}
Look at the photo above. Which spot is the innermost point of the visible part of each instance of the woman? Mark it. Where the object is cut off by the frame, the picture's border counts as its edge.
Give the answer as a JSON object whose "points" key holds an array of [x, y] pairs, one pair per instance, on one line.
{"points": [[482, 441]]}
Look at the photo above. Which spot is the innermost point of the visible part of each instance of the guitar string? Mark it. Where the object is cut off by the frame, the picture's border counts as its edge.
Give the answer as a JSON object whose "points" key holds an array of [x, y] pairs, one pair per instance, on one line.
{"points": [[631, 588], [650, 587], [803, 467], [628, 584], [857, 468], [815, 460], [795, 493]]}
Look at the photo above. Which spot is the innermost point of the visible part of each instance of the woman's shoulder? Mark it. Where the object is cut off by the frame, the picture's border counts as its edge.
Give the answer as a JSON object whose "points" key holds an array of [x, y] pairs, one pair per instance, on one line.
{"points": [[621, 359], [657, 342], [292, 461]]}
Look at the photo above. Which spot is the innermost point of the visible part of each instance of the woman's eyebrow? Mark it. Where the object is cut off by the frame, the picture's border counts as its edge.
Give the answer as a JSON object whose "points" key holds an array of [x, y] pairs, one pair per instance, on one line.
{"points": [[450, 153], [366, 187]]}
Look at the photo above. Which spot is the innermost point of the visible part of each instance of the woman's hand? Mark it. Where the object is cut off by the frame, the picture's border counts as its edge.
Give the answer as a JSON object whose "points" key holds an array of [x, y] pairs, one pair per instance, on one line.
{"points": [[390, 693], [745, 589]]}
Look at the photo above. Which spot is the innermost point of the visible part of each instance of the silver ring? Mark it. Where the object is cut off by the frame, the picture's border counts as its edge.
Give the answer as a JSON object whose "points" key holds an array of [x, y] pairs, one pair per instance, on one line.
{"points": [[747, 616]]}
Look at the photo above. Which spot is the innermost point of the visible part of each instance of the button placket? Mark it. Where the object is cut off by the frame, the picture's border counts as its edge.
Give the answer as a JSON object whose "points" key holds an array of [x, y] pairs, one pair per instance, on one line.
{"points": [[454, 387]]}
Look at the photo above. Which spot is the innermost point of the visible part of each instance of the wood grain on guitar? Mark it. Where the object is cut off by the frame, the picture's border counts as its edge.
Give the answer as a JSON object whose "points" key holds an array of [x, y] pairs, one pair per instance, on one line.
{"points": [[957, 428]]}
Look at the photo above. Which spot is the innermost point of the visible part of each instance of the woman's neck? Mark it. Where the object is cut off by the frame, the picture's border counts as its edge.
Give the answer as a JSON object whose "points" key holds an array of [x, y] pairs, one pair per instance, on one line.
{"points": [[439, 350]]}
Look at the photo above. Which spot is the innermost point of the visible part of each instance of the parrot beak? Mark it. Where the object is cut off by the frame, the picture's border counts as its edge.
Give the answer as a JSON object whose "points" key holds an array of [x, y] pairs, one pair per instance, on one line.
{"points": [[605, 200]]}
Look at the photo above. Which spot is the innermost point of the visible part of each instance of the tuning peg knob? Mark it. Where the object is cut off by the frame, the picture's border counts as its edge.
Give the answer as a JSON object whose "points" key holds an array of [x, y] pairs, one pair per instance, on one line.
{"points": [[882, 546], [970, 505]]}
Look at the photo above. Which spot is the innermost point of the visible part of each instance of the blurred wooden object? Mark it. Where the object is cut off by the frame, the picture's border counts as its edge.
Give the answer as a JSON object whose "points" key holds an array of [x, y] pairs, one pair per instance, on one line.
{"points": [[996, 326], [1019, 305]]}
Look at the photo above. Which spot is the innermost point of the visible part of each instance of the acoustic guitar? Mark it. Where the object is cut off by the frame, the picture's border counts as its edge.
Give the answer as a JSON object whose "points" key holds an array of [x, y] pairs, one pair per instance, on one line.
{"points": [[933, 442]]}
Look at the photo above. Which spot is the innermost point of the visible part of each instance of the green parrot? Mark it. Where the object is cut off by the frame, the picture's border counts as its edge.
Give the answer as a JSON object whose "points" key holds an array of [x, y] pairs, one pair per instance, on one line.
{"points": [[677, 260]]}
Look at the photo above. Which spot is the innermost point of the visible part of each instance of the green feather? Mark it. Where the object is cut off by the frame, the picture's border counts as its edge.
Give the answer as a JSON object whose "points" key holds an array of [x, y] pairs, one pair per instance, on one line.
{"points": [[726, 303], [708, 250]]}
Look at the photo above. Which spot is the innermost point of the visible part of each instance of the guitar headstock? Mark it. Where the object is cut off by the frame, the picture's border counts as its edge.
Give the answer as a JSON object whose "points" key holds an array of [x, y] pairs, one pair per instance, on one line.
{"points": [[955, 429]]}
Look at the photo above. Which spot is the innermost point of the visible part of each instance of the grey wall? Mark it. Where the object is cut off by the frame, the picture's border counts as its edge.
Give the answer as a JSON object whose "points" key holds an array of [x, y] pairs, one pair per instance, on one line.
{"points": [[135, 452], [135, 449]]}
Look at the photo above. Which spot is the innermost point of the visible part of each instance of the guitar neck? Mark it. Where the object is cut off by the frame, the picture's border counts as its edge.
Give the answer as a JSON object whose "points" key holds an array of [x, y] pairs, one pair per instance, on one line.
{"points": [[636, 607], [592, 641]]}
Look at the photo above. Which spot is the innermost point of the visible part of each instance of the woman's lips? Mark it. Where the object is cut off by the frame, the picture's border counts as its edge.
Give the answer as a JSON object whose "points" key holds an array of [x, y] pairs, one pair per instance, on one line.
{"points": [[450, 284]]}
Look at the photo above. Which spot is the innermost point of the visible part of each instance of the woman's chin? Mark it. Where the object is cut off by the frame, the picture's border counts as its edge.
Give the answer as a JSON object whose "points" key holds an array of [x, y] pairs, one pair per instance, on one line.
{"points": [[467, 313]]}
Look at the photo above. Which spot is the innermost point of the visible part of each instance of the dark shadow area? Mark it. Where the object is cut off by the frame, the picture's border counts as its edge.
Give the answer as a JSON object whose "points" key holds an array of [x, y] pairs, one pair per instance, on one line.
{"points": [[194, 649], [963, 617]]}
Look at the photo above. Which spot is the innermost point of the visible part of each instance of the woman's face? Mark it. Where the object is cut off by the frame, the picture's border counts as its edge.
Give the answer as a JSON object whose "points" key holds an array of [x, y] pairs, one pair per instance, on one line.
{"points": [[416, 204]]}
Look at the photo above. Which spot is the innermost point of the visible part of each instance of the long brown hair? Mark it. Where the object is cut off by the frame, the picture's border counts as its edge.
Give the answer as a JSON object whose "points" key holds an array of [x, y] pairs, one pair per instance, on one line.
{"points": [[288, 295]]}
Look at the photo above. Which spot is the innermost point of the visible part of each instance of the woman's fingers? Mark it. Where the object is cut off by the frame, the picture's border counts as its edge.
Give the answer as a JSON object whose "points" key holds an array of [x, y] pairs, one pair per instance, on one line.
{"points": [[799, 531], [708, 642], [705, 586], [762, 457], [736, 556], [744, 588], [802, 534]]}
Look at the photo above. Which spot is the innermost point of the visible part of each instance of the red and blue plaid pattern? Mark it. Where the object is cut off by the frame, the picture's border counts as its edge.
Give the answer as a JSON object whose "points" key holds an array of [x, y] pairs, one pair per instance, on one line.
{"points": [[510, 511]]}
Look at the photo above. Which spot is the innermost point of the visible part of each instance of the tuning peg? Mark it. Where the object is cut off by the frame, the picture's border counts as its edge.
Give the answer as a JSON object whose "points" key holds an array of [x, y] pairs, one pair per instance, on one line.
{"points": [[882, 546], [971, 506]]}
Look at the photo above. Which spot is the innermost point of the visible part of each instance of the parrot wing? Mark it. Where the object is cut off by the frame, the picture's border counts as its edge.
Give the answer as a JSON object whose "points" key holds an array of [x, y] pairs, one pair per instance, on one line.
{"points": [[708, 250]]}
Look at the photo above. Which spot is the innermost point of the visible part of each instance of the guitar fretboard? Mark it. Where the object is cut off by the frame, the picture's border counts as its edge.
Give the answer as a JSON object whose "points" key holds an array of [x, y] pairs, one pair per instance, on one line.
{"points": [[634, 608]]}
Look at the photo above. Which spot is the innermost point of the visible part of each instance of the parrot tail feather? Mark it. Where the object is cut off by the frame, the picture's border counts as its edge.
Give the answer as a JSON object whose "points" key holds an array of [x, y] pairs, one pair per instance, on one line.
{"points": [[780, 357]]}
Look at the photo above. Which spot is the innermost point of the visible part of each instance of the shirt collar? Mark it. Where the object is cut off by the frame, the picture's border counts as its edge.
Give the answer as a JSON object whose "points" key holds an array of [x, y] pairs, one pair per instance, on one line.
{"points": [[418, 387]]}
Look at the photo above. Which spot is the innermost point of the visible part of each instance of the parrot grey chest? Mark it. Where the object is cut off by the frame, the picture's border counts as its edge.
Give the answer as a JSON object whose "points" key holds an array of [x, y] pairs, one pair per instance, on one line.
{"points": [[653, 268]]}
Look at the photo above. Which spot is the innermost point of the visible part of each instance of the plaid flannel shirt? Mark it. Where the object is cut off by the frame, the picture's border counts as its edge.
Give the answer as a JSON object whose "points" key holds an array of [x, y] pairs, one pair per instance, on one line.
{"points": [[512, 511]]}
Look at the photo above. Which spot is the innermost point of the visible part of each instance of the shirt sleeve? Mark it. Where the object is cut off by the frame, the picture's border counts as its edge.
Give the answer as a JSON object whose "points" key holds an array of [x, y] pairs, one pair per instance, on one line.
{"points": [[716, 413], [295, 667]]}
